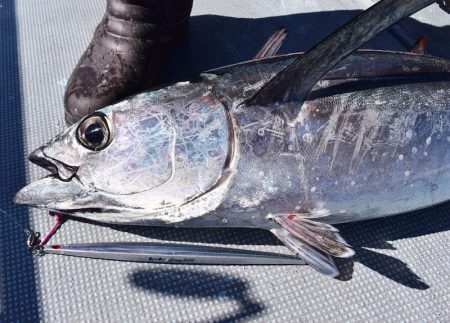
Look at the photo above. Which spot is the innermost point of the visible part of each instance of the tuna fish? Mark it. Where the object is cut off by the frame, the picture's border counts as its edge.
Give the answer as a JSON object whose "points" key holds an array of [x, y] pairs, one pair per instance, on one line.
{"points": [[370, 137]]}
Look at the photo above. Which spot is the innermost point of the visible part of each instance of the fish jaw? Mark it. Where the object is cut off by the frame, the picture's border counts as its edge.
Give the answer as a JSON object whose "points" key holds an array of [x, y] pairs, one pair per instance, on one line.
{"points": [[57, 191], [64, 192], [52, 193], [72, 198]]}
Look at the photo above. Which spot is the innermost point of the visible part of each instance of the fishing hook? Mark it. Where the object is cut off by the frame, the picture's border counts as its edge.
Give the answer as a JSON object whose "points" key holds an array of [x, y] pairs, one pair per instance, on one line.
{"points": [[35, 244]]}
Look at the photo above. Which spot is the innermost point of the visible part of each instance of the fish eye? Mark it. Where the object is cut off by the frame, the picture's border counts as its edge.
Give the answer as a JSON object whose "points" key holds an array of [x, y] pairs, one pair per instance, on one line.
{"points": [[93, 132]]}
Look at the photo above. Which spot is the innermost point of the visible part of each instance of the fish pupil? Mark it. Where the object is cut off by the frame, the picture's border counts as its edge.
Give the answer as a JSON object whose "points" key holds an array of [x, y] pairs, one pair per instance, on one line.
{"points": [[94, 133]]}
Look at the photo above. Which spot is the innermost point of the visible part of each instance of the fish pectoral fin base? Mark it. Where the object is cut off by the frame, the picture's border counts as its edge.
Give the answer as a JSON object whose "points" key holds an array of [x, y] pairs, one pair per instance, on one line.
{"points": [[316, 243]]}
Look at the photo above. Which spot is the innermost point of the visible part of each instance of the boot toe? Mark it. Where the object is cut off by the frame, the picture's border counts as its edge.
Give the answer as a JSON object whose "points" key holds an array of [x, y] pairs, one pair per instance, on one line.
{"points": [[129, 47], [92, 87]]}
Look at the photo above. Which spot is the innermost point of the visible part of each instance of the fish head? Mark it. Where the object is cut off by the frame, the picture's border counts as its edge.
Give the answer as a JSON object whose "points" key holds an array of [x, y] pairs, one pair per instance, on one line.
{"points": [[152, 152]]}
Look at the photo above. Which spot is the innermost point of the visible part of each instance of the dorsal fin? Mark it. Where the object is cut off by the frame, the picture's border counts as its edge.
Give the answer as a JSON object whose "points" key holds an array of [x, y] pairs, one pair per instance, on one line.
{"points": [[296, 80], [272, 45], [420, 47]]}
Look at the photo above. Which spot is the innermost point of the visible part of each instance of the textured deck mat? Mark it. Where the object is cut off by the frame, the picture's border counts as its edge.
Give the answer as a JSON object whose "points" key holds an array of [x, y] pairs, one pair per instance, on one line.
{"points": [[402, 265]]}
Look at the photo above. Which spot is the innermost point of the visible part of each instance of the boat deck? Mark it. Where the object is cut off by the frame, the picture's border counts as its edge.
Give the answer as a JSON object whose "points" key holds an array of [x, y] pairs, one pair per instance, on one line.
{"points": [[401, 271]]}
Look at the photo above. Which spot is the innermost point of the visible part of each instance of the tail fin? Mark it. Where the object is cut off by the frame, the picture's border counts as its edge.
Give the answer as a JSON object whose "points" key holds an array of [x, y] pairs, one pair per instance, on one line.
{"points": [[314, 242]]}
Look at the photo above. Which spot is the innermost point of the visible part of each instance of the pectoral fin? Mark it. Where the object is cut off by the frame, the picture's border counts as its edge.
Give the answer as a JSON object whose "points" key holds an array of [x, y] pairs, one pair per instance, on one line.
{"points": [[294, 82], [314, 242]]}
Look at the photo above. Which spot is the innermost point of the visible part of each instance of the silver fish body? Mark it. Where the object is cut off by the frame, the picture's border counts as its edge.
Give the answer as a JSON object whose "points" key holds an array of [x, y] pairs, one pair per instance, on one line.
{"points": [[363, 145], [370, 140], [192, 154]]}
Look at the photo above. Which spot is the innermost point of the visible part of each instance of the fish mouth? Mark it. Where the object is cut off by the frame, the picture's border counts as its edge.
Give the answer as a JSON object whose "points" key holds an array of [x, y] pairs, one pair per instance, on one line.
{"points": [[54, 191], [50, 192], [67, 197], [55, 167]]}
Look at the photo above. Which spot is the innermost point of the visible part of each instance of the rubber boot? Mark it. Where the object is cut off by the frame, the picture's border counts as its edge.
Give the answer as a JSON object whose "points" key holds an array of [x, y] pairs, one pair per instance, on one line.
{"points": [[130, 45]]}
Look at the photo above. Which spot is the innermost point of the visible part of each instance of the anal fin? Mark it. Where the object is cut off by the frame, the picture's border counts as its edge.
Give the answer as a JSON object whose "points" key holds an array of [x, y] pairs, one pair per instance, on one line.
{"points": [[315, 242]]}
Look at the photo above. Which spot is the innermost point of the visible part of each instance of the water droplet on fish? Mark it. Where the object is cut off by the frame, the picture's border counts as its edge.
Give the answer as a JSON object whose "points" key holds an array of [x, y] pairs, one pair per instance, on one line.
{"points": [[261, 174], [261, 132], [414, 150], [262, 207], [317, 178], [224, 220], [407, 173], [290, 147], [409, 134], [336, 183], [307, 137], [400, 157], [428, 142], [425, 154], [313, 189], [352, 183]]}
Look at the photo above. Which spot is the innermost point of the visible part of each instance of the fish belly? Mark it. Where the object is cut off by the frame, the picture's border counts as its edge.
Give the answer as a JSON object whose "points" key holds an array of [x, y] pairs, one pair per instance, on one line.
{"points": [[358, 149]]}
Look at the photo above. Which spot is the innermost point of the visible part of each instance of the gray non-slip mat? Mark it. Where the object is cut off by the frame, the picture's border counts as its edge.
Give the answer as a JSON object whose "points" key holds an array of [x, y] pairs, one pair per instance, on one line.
{"points": [[402, 264]]}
